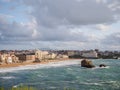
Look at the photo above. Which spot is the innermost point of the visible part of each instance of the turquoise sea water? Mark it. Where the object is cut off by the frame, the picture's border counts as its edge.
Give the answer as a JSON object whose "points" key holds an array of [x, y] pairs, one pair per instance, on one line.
{"points": [[63, 76]]}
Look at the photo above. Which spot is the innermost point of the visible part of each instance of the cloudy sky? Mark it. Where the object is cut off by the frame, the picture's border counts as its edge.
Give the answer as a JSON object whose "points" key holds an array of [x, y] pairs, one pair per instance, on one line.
{"points": [[60, 24]]}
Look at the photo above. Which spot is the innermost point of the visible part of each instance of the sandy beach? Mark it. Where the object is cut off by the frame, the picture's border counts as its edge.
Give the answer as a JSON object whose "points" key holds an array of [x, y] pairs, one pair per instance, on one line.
{"points": [[29, 63]]}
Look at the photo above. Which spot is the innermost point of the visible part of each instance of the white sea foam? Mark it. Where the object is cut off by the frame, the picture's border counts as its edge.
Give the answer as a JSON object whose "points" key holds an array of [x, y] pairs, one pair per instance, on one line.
{"points": [[97, 84], [109, 82], [49, 65], [15, 86], [52, 87], [8, 77], [107, 67]]}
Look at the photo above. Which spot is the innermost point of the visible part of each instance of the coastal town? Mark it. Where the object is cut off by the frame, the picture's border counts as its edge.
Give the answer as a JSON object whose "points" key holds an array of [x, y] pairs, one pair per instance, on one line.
{"points": [[28, 56], [36, 56]]}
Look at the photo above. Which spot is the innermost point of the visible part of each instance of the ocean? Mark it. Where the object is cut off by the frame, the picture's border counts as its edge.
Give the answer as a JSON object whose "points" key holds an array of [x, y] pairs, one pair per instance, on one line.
{"points": [[63, 75]]}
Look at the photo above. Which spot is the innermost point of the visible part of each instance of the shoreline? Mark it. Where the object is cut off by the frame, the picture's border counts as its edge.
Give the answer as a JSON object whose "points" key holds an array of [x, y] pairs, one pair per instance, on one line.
{"points": [[32, 63]]}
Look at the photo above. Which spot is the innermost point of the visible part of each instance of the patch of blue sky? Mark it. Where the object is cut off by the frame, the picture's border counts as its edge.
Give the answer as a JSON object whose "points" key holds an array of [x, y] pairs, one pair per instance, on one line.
{"points": [[115, 27], [17, 13]]}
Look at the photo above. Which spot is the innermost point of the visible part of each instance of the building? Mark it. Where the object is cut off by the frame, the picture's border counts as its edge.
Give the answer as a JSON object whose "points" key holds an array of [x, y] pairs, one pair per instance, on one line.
{"points": [[30, 57], [44, 55], [65, 56], [38, 54], [8, 58], [41, 55], [26, 57], [60, 56], [3, 58], [15, 59], [90, 54], [51, 56], [70, 53]]}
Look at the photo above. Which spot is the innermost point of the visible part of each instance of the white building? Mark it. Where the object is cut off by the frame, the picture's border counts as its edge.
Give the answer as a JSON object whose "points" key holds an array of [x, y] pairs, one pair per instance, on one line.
{"points": [[51, 56], [44, 55], [65, 57], [9, 60], [90, 54], [38, 54]]}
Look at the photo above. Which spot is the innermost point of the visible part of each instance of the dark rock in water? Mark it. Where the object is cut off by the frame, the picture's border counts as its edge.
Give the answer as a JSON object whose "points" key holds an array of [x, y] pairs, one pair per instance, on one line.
{"points": [[102, 65], [87, 63]]}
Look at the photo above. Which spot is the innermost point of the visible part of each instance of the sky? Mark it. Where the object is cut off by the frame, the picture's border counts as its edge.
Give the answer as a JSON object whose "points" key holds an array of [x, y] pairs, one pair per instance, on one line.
{"points": [[60, 24]]}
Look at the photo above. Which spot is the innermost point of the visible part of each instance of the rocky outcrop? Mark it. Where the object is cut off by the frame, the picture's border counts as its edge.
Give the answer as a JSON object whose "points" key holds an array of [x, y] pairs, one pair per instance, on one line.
{"points": [[87, 63], [102, 65]]}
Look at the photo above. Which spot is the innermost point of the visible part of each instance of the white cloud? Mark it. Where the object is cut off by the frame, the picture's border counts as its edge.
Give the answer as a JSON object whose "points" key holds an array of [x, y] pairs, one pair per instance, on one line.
{"points": [[34, 34], [102, 27], [112, 40], [101, 1]]}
